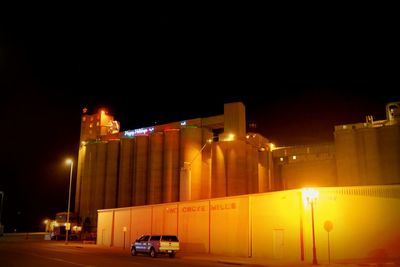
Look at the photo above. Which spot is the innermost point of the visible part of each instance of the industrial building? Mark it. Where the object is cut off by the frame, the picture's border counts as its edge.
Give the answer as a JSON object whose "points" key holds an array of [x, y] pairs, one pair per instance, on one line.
{"points": [[186, 172], [186, 160]]}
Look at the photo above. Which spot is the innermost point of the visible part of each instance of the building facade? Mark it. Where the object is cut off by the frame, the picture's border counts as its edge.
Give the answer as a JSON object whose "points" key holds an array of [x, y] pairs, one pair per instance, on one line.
{"points": [[187, 160], [205, 171]]}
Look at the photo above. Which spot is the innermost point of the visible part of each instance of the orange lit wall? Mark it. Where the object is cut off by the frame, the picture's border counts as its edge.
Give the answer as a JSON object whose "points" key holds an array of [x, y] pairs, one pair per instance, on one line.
{"points": [[277, 226]]}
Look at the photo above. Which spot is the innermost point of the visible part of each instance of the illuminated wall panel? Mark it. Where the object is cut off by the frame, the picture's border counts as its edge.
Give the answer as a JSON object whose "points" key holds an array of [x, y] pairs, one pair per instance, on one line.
{"points": [[165, 219], [276, 228], [365, 223], [193, 226], [141, 221], [122, 229], [105, 228], [229, 226]]}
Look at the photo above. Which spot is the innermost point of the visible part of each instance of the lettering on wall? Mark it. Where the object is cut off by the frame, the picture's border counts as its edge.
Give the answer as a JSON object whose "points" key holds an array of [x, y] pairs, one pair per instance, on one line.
{"points": [[203, 208]]}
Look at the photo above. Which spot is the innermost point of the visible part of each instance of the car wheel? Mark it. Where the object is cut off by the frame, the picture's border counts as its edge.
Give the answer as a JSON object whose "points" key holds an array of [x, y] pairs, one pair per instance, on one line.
{"points": [[171, 255], [153, 253], [133, 251]]}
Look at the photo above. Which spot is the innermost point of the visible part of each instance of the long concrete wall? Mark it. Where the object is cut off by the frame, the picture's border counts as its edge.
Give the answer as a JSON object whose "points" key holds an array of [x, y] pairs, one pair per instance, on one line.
{"points": [[362, 222]]}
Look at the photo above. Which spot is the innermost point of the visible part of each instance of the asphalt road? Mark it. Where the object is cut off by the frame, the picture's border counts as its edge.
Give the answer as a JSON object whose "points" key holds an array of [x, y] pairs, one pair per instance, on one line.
{"points": [[34, 251]]}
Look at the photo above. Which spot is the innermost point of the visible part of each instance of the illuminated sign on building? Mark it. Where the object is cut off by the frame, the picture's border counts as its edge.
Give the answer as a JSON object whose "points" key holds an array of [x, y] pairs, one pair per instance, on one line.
{"points": [[139, 131]]}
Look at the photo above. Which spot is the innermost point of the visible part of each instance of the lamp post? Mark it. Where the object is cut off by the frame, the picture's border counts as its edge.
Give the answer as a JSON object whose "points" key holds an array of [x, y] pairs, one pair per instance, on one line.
{"points": [[187, 168], [310, 195], [67, 226]]}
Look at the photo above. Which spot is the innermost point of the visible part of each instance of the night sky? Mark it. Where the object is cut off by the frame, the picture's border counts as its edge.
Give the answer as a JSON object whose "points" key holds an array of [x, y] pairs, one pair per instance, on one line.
{"points": [[298, 72]]}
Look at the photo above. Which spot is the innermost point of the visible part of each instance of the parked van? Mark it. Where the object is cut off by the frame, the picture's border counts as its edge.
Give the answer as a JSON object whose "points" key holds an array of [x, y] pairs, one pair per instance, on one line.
{"points": [[156, 244]]}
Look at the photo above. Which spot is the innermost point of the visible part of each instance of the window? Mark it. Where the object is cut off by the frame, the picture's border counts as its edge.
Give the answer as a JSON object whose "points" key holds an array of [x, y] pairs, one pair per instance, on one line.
{"points": [[155, 238], [170, 238]]}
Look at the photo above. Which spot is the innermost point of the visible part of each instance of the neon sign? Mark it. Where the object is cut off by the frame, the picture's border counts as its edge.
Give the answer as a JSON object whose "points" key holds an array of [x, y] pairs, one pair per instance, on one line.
{"points": [[139, 131]]}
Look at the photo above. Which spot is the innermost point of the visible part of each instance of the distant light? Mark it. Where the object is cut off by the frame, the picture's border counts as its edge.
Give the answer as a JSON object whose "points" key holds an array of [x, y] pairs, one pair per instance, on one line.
{"points": [[294, 157], [271, 146], [281, 159], [103, 112], [183, 123], [231, 137], [68, 161], [138, 131], [84, 110], [247, 136]]}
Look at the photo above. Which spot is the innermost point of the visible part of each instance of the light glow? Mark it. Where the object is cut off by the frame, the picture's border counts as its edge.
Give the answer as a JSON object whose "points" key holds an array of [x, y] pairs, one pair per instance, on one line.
{"points": [[230, 137], [272, 146], [139, 131], [309, 195]]}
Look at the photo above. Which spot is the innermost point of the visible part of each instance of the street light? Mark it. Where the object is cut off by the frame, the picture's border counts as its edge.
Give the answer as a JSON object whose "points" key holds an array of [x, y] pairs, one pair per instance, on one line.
{"points": [[310, 195], [187, 168], [67, 226]]}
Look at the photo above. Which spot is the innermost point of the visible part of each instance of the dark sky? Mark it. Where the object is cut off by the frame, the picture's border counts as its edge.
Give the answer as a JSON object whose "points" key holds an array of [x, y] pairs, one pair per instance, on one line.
{"points": [[299, 72]]}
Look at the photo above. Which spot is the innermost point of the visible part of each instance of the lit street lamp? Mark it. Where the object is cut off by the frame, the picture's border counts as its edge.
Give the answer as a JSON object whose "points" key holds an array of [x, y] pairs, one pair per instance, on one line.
{"points": [[187, 168], [310, 195], [67, 226]]}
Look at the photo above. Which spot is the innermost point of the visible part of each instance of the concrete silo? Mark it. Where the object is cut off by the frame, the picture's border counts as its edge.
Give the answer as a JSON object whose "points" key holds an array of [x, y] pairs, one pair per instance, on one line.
{"points": [[190, 159], [140, 170], [99, 182], [80, 171], [154, 183], [125, 172], [205, 191], [368, 154], [87, 184], [389, 153], [111, 183], [236, 175], [170, 183], [218, 170], [346, 155], [252, 169]]}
